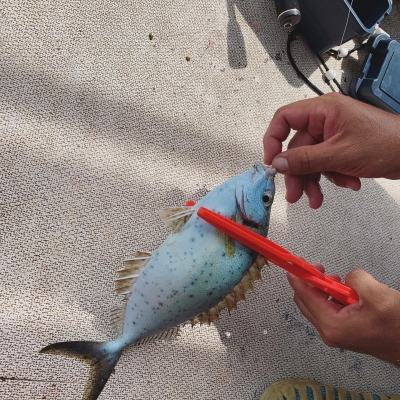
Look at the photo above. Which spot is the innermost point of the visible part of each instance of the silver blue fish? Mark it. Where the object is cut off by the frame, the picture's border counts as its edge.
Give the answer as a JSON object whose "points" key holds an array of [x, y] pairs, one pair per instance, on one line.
{"points": [[195, 273]]}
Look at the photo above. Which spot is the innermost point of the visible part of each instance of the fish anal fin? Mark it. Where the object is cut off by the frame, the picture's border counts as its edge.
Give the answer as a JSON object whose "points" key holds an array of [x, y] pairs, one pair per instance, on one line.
{"points": [[165, 335], [176, 217], [247, 283], [237, 294], [230, 300], [214, 314], [260, 262], [255, 269], [205, 318], [221, 305], [196, 320]]}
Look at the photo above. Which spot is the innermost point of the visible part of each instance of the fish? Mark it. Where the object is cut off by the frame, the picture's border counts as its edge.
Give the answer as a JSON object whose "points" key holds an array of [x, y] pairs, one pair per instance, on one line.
{"points": [[193, 275], [305, 389]]}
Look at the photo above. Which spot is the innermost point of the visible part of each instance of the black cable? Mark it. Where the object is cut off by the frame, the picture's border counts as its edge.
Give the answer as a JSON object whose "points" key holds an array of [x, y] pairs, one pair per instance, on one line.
{"points": [[327, 68], [334, 53], [293, 63], [331, 52], [359, 47]]}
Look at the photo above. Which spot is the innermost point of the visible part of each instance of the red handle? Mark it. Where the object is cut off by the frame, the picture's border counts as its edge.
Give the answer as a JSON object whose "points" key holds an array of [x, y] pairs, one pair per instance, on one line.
{"points": [[280, 256]]}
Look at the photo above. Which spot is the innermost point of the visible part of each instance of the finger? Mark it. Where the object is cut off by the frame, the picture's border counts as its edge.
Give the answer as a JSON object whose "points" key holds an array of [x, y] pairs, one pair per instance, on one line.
{"points": [[319, 267], [313, 190], [336, 277], [342, 180], [337, 302], [294, 188], [294, 116], [308, 159], [296, 283], [272, 147], [300, 288], [369, 290], [303, 309], [302, 138], [314, 300], [310, 182], [304, 289]]}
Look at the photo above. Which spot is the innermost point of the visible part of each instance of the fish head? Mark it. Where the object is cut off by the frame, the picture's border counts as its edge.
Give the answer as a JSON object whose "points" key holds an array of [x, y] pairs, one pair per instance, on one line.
{"points": [[255, 193]]}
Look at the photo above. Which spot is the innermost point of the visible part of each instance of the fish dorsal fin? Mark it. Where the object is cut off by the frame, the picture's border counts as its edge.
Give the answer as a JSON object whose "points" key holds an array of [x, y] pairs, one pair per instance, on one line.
{"points": [[238, 293], [128, 275], [168, 334], [176, 217]]}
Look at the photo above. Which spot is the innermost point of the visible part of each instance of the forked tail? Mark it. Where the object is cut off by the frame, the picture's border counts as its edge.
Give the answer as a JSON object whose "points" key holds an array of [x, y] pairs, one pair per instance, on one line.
{"points": [[101, 361]]}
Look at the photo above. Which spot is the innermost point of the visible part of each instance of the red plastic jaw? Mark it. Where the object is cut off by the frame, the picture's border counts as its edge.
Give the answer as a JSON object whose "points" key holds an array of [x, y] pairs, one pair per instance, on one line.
{"points": [[280, 256]]}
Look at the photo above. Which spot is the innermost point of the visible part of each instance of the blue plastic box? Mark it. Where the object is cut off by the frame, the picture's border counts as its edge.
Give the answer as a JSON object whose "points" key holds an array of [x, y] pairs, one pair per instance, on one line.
{"points": [[323, 21], [380, 81]]}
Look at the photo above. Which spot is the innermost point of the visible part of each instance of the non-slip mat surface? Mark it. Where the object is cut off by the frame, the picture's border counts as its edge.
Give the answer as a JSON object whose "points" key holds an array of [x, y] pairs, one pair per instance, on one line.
{"points": [[99, 128]]}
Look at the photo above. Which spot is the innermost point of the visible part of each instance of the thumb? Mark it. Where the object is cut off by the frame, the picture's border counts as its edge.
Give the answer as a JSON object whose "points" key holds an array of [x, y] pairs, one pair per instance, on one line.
{"points": [[306, 159], [369, 290]]}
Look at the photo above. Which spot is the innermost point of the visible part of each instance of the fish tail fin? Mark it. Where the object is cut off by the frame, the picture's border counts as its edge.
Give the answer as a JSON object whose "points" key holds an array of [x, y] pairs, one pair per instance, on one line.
{"points": [[101, 360]]}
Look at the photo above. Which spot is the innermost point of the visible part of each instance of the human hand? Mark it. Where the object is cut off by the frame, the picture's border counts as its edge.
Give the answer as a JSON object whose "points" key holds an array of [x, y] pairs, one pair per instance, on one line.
{"points": [[337, 136], [370, 326]]}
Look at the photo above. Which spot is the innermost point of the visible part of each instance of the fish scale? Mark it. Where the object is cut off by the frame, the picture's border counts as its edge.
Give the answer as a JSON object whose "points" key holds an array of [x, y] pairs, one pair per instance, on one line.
{"points": [[195, 273]]}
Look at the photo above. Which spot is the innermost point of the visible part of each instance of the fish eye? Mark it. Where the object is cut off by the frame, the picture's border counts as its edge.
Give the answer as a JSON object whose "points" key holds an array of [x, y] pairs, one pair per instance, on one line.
{"points": [[267, 198]]}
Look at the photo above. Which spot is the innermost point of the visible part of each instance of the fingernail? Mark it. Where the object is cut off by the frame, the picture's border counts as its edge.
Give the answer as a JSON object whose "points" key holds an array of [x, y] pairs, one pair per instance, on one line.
{"points": [[280, 164], [349, 186]]}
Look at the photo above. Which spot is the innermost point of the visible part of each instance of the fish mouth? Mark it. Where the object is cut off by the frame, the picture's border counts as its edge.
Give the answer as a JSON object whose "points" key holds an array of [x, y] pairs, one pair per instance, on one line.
{"points": [[270, 172]]}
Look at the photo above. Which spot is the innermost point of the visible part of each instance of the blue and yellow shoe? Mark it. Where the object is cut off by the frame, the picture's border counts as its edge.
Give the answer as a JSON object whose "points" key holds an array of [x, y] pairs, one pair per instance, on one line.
{"points": [[307, 389]]}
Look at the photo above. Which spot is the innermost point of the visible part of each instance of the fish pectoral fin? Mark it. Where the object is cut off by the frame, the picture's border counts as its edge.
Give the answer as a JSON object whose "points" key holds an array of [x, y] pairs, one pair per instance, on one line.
{"points": [[176, 217], [238, 293]]}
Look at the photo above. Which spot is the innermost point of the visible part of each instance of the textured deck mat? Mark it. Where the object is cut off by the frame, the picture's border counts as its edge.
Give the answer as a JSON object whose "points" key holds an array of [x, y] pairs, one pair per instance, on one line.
{"points": [[110, 110]]}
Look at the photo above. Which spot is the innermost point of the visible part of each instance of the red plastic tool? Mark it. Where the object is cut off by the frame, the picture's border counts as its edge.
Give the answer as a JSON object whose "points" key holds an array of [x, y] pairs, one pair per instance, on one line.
{"points": [[280, 256]]}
